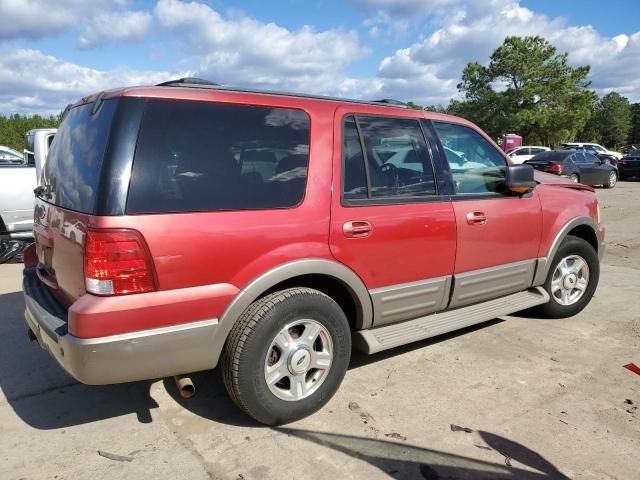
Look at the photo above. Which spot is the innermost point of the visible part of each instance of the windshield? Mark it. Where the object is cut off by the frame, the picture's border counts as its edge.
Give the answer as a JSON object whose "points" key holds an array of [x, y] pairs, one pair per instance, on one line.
{"points": [[72, 171]]}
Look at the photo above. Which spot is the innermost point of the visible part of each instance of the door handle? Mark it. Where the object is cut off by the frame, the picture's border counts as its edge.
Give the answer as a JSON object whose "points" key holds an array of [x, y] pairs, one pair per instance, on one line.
{"points": [[476, 218], [357, 229]]}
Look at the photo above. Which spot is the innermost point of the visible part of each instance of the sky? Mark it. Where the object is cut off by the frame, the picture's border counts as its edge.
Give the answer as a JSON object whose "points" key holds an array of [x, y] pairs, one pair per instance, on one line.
{"points": [[55, 52]]}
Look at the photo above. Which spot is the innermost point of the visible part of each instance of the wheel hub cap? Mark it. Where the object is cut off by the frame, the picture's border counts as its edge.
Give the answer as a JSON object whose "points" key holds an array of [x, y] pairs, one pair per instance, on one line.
{"points": [[570, 280], [299, 361]]}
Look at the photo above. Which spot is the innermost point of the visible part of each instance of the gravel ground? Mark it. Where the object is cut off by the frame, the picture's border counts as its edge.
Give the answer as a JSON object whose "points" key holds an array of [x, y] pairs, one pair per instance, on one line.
{"points": [[518, 397]]}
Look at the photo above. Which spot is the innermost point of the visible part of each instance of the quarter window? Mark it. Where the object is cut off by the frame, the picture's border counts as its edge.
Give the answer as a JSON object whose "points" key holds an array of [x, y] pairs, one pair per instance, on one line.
{"points": [[476, 166], [385, 158], [196, 156]]}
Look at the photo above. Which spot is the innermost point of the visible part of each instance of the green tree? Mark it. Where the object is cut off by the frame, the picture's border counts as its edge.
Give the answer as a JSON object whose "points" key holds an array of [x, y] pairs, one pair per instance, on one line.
{"points": [[612, 120], [634, 137], [527, 88], [14, 127], [428, 108]]}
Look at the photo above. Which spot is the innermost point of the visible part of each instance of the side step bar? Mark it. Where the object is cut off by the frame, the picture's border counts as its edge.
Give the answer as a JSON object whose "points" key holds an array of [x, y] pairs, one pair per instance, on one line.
{"points": [[382, 338]]}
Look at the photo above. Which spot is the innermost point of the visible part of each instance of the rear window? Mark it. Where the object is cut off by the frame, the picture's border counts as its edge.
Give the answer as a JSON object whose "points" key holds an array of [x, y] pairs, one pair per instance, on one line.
{"points": [[194, 156], [72, 170]]}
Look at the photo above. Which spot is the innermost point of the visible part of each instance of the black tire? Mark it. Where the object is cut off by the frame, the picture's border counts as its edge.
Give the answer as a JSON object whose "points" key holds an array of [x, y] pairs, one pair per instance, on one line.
{"points": [[611, 182], [243, 359], [574, 177], [572, 246]]}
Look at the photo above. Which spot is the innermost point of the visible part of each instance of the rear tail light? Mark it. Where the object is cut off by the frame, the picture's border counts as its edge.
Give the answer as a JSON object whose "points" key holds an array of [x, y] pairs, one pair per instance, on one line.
{"points": [[556, 168], [117, 262]]}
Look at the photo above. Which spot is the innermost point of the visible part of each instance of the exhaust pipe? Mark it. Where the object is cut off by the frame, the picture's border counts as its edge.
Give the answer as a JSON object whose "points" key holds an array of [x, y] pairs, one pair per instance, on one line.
{"points": [[185, 386]]}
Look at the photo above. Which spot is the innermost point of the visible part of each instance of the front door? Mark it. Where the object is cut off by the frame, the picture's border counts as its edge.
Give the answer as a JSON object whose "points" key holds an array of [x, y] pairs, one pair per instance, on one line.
{"points": [[388, 223], [498, 236]]}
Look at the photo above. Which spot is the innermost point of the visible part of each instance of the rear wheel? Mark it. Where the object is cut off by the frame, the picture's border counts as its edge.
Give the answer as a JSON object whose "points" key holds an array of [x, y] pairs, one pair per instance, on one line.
{"points": [[572, 279], [574, 178], [612, 180], [287, 355]]}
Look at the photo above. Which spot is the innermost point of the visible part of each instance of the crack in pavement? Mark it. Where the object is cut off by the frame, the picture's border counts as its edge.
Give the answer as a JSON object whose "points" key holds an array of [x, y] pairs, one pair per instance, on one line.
{"points": [[24, 396]]}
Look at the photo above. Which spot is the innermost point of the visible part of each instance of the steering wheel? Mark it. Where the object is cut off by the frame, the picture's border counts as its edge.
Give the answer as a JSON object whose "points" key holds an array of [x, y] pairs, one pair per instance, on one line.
{"points": [[390, 173]]}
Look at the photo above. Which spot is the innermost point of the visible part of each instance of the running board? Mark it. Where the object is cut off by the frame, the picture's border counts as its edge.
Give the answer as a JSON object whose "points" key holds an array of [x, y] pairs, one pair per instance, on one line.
{"points": [[382, 338]]}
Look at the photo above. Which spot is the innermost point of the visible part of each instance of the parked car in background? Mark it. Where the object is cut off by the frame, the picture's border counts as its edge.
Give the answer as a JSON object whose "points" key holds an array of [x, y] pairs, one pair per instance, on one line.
{"points": [[9, 156], [36, 147], [592, 148], [578, 165], [607, 157], [629, 165], [521, 154], [17, 182]]}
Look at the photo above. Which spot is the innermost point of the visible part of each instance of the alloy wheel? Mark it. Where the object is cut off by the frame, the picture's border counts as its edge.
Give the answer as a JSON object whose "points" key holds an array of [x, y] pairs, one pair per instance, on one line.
{"points": [[298, 360], [570, 280]]}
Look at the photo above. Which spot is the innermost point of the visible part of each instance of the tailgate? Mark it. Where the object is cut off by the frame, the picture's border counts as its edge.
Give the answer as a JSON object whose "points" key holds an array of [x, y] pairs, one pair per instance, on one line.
{"points": [[59, 236]]}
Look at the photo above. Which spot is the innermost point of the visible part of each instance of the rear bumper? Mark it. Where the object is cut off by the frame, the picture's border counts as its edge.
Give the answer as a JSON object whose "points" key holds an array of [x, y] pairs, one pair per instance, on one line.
{"points": [[141, 355], [629, 171]]}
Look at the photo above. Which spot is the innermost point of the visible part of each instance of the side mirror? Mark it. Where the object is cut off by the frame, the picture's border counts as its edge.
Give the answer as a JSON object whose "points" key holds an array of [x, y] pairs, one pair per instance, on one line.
{"points": [[520, 179]]}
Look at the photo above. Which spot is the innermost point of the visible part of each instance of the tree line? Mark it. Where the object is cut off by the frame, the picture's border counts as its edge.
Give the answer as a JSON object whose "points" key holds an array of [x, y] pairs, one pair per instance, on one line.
{"points": [[14, 127], [530, 89]]}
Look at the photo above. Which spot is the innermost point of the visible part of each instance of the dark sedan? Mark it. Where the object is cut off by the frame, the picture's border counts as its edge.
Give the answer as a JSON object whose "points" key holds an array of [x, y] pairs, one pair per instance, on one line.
{"points": [[629, 165], [578, 165]]}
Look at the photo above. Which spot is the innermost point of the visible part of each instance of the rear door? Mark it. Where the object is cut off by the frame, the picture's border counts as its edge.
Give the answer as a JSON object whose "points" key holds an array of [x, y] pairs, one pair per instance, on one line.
{"points": [[586, 167], [600, 169], [498, 236], [388, 223]]}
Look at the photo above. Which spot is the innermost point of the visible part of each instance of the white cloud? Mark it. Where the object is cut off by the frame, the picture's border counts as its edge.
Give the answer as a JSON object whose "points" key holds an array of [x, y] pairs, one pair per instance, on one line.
{"points": [[245, 51], [31, 82], [429, 70], [126, 26], [239, 50], [41, 18]]}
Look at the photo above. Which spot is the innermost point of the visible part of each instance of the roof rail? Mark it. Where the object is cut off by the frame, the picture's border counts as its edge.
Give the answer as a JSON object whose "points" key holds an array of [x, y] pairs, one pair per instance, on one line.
{"points": [[391, 101], [191, 82], [186, 81]]}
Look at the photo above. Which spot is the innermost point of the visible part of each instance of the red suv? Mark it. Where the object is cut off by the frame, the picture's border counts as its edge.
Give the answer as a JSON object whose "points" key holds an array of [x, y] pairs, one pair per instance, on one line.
{"points": [[187, 224]]}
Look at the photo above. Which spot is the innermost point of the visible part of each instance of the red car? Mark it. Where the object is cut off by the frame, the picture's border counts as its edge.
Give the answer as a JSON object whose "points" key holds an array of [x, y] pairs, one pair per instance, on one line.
{"points": [[269, 232]]}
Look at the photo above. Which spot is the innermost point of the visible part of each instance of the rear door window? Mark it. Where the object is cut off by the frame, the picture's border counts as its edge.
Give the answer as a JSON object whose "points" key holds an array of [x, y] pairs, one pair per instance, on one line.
{"points": [[72, 170], [394, 165], [195, 156]]}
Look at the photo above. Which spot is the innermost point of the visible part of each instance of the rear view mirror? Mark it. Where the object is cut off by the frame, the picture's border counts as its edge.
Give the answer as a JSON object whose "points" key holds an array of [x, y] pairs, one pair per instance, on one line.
{"points": [[520, 179]]}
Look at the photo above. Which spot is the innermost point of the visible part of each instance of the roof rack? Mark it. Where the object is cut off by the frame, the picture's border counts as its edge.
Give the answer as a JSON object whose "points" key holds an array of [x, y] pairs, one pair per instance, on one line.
{"points": [[186, 81], [391, 101], [193, 82]]}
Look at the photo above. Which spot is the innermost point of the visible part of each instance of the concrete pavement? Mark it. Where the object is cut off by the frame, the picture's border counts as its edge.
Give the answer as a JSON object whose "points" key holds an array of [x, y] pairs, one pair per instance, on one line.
{"points": [[539, 398]]}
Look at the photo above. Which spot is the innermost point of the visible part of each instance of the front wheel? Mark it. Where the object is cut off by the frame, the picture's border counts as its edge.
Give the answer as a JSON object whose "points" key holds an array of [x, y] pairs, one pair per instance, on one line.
{"points": [[572, 279], [287, 355], [612, 180], [574, 178]]}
